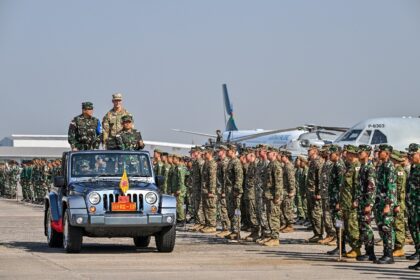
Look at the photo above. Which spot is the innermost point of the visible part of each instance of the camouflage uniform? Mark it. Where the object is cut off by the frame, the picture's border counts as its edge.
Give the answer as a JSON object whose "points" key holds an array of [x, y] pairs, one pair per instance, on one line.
{"points": [[84, 133], [234, 184], [222, 192], [112, 126], [259, 193], [399, 223], [289, 192], [244, 210], [25, 181], [179, 190], [313, 189], [129, 140], [326, 211], [273, 191], [302, 207], [365, 197], [347, 198], [249, 196], [158, 168], [165, 173], [413, 204], [386, 195], [209, 192], [196, 173]]}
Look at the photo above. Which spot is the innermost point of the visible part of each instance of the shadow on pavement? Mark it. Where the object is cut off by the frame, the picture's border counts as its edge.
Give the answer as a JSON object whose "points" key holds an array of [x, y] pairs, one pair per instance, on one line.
{"points": [[88, 248]]}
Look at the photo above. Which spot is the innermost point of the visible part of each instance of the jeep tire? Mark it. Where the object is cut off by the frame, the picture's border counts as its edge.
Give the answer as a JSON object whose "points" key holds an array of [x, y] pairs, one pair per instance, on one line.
{"points": [[142, 241], [165, 239], [54, 238], [72, 236]]}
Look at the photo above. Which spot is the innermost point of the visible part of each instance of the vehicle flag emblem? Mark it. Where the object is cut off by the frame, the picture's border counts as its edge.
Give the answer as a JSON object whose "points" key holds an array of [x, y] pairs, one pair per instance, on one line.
{"points": [[124, 183]]}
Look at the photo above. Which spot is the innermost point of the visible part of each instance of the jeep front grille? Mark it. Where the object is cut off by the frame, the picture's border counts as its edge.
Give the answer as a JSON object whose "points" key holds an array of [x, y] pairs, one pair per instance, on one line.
{"points": [[133, 197]]}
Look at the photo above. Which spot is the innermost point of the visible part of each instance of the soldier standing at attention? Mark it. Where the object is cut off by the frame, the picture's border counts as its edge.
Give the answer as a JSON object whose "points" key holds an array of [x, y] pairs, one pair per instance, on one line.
{"points": [[234, 186], [386, 202], [413, 188], [348, 202], [273, 194], [399, 219], [111, 123], [84, 130], [157, 168], [249, 195], [365, 199], [302, 178], [128, 139], [259, 193], [221, 181], [313, 192], [289, 191], [244, 212], [196, 173], [209, 191], [165, 173], [179, 188]]}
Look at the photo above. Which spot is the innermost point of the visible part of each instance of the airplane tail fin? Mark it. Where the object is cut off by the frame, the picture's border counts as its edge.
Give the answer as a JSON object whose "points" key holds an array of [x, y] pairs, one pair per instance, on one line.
{"points": [[230, 124]]}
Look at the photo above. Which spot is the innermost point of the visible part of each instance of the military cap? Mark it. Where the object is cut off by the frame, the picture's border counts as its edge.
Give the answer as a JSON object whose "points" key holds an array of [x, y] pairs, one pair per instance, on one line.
{"points": [[396, 155], [313, 146], [177, 156], [385, 147], [403, 154], [325, 148], [413, 148], [126, 118], [164, 154], [365, 148], [231, 147], [352, 149], [208, 149], [157, 151], [334, 149], [87, 106], [262, 147], [222, 147], [303, 158], [272, 149], [117, 96]]}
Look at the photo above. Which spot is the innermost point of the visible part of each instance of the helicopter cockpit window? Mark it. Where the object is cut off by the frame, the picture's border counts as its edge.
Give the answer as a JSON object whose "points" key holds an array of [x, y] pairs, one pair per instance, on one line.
{"points": [[378, 137], [351, 135], [365, 137]]}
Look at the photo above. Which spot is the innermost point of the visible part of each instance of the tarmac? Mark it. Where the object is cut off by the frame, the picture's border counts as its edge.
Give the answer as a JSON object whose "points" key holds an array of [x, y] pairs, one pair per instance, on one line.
{"points": [[24, 254]]}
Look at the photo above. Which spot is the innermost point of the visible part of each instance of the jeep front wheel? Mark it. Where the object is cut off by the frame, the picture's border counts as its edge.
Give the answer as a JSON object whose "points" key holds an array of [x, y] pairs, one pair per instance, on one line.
{"points": [[72, 236], [165, 240], [54, 238], [141, 241]]}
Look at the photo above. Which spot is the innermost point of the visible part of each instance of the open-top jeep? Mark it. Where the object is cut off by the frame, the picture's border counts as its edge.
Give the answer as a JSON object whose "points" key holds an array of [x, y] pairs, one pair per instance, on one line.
{"points": [[108, 194]]}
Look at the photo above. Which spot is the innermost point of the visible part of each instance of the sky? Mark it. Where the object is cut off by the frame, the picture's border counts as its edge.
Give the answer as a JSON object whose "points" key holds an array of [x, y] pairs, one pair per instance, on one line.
{"points": [[286, 63]]}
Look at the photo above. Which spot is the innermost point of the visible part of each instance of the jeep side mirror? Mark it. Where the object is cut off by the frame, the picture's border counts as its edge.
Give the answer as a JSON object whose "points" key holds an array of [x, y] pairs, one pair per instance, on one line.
{"points": [[159, 180], [59, 181]]}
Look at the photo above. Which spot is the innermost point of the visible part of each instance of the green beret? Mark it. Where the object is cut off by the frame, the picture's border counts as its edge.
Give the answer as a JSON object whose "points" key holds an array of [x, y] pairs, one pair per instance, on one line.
{"points": [[396, 155], [87, 106], [126, 118], [413, 148], [365, 148], [352, 149], [335, 149], [385, 147]]}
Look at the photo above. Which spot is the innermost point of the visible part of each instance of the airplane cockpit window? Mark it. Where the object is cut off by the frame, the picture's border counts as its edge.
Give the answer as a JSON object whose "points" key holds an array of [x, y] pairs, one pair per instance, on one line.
{"points": [[365, 137], [350, 135], [378, 137]]}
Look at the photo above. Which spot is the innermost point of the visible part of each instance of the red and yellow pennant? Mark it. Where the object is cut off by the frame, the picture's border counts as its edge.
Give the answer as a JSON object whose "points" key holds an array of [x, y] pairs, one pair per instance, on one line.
{"points": [[124, 183]]}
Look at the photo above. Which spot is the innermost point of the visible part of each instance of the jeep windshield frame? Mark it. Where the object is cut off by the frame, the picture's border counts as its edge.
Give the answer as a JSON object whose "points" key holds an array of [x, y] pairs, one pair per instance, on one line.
{"points": [[110, 164]]}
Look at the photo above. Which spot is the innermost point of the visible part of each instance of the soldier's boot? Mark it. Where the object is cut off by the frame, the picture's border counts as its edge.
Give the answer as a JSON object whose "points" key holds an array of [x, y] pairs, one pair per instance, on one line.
{"points": [[354, 253], [387, 258], [283, 227], [253, 237], [369, 256], [208, 230], [273, 242], [288, 229], [262, 240], [398, 253], [223, 233], [314, 239], [415, 267], [232, 236], [413, 256], [327, 240], [198, 228]]}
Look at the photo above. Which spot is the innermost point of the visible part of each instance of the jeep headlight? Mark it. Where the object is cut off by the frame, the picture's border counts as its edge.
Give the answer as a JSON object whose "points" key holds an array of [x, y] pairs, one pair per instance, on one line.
{"points": [[151, 198], [94, 198]]}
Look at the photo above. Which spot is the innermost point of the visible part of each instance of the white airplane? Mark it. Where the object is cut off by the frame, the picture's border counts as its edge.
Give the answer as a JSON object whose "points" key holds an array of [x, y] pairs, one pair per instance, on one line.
{"points": [[398, 132], [276, 138]]}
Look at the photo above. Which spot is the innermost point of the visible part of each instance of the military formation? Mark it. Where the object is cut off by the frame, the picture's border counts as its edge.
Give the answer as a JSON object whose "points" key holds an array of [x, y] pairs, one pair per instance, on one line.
{"points": [[338, 193]]}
